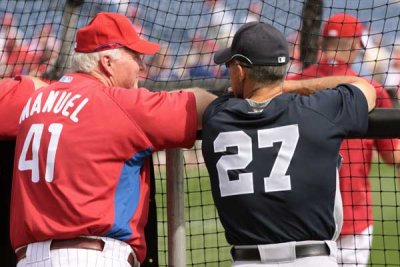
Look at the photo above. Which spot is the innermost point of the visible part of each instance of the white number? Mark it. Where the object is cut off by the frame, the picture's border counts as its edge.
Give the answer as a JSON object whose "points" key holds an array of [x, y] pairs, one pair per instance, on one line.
{"points": [[34, 136], [55, 130], [244, 185], [277, 181], [288, 135], [35, 133]]}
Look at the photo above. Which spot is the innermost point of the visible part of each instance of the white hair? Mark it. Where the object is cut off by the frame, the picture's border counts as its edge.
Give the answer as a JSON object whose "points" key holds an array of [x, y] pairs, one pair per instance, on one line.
{"points": [[86, 62]]}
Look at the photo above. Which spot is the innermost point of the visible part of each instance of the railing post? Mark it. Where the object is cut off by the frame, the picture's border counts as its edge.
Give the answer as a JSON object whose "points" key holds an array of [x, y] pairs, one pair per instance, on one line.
{"points": [[175, 208]]}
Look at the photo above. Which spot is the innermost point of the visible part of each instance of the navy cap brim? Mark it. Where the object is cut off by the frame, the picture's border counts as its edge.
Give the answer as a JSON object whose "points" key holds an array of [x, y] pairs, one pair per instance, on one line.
{"points": [[223, 56]]}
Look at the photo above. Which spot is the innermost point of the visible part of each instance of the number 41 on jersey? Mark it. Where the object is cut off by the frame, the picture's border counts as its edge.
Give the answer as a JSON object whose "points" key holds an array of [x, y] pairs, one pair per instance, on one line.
{"points": [[33, 139]]}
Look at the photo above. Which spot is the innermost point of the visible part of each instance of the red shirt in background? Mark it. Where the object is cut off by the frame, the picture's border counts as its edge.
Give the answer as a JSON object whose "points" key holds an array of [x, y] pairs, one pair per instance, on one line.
{"points": [[356, 153]]}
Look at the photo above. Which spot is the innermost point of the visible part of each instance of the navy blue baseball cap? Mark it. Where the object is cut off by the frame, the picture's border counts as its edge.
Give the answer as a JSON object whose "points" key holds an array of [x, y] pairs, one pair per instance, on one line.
{"points": [[256, 43]]}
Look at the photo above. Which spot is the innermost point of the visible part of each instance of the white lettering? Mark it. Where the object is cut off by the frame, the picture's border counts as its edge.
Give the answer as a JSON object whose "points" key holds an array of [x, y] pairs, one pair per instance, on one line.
{"points": [[61, 102], [69, 104], [56, 102], [74, 115], [50, 101], [25, 111], [36, 105]]}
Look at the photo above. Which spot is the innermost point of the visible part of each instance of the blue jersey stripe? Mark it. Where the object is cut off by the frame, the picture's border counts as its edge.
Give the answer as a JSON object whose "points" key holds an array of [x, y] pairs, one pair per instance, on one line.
{"points": [[127, 196]]}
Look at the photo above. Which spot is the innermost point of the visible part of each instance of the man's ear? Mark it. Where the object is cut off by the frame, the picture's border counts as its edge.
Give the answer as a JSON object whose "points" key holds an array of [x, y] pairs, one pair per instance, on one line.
{"points": [[241, 72], [106, 65]]}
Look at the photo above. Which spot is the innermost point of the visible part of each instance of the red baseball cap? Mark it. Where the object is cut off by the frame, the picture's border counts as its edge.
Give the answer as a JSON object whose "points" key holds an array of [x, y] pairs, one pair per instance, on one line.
{"points": [[110, 31], [342, 25]]}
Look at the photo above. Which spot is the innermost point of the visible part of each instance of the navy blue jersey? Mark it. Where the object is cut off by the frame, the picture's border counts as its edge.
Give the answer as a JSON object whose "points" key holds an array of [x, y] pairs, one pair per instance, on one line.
{"points": [[274, 173]]}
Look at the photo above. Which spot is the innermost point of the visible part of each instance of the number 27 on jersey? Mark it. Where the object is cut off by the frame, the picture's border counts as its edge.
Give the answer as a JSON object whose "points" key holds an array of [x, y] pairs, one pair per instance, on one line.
{"points": [[277, 180]]}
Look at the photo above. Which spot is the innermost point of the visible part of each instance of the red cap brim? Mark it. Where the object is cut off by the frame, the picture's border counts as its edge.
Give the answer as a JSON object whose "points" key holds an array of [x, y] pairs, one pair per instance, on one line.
{"points": [[144, 47]]}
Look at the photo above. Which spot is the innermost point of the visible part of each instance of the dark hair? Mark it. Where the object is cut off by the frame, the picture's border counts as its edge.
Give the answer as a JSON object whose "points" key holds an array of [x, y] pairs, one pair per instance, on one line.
{"points": [[267, 74]]}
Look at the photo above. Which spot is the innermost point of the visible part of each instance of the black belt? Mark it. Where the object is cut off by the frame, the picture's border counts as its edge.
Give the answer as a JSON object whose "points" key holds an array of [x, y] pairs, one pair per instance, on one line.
{"points": [[252, 254], [79, 242]]}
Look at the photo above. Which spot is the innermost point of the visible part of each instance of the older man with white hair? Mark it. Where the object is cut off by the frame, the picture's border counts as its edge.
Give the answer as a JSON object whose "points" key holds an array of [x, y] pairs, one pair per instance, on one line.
{"points": [[82, 172]]}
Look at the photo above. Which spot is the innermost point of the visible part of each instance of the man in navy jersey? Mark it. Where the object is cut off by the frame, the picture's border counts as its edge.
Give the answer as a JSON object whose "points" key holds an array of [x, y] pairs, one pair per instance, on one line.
{"points": [[273, 156]]}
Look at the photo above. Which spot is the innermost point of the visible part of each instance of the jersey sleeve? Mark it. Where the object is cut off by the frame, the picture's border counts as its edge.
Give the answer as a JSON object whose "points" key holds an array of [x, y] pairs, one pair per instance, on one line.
{"points": [[215, 106], [168, 119], [13, 95], [345, 106]]}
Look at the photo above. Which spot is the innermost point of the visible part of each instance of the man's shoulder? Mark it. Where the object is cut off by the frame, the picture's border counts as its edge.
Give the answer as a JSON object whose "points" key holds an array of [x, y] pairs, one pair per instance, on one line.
{"points": [[227, 101], [7, 83], [331, 99], [225, 104]]}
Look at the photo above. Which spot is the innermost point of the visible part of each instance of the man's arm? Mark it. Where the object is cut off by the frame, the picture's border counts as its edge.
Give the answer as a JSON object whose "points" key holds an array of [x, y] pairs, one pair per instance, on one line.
{"points": [[37, 82], [309, 86], [13, 95], [203, 99]]}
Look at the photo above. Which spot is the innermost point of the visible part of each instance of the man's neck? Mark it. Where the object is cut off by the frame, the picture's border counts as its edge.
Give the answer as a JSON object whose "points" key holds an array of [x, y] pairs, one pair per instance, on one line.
{"points": [[101, 77], [262, 94]]}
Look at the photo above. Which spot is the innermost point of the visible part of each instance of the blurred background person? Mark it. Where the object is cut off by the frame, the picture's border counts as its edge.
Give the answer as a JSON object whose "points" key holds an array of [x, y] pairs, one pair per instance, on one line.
{"points": [[295, 65], [45, 49], [199, 62], [162, 67], [375, 59], [11, 40], [222, 25], [341, 45], [19, 58], [378, 62], [254, 14], [392, 81], [132, 12]]}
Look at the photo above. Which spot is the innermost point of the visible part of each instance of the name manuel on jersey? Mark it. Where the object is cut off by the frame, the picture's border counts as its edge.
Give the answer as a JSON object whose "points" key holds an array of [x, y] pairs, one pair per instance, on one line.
{"points": [[69, 105]]}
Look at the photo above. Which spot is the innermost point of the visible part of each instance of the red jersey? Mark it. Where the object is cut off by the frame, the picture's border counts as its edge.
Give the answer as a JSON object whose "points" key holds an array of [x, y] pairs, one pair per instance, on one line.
{"points": [[13, 95], [357, 155], [82, 159]]}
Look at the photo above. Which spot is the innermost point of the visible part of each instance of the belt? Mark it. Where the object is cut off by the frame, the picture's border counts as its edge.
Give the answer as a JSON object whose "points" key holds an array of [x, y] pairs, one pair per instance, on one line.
{"points": [[79, 242], [252, 254]]}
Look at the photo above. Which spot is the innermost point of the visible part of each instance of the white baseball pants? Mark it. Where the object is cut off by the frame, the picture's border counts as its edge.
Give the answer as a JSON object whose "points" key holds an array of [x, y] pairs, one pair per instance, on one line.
{"points": [[115, 253], [291, 260]]}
